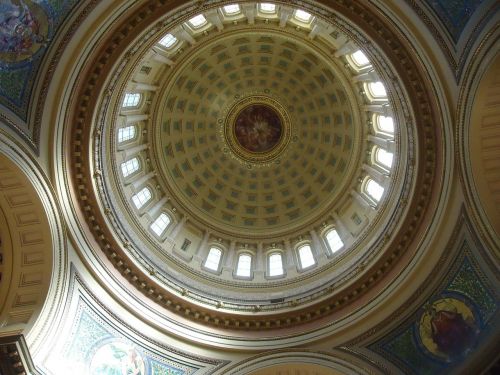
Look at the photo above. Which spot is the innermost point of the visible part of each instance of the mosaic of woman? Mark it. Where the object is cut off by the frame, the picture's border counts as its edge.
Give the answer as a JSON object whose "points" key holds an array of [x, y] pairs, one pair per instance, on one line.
{"points": [[133, 364], [450, 328], [23, 27], [258, 128]]}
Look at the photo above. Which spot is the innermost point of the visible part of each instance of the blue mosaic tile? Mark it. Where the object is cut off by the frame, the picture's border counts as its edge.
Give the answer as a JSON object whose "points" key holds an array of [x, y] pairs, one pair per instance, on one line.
{"points": [[454, 13]]}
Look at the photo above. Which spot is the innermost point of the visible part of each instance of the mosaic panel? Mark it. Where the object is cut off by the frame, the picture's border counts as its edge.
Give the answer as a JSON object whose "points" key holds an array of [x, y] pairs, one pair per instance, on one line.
{"points": [[448, 328], [95, 347], [26, 30], [454, 13]]}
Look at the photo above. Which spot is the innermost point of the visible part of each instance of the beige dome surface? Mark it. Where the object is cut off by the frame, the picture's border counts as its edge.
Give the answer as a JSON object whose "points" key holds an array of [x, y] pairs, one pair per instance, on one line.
{"points": [[236, 193], [193, 192]]}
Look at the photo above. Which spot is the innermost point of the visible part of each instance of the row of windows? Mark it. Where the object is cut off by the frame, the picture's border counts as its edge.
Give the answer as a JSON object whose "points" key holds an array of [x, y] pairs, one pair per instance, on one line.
{"points": [[199, 21], [275, 266]]}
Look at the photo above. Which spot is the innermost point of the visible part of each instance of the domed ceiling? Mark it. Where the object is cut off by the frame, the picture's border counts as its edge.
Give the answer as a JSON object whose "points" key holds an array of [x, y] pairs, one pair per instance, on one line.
{"points": [[235, 178], [252, 159]]}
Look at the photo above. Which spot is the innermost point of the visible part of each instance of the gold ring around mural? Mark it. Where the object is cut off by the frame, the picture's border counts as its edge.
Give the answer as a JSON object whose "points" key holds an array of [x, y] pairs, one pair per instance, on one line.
{"points": [[257, 129], [447, 328]]}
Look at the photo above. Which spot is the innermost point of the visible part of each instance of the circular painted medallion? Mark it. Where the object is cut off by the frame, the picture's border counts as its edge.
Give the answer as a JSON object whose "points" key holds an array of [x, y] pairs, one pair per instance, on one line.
{"points": [[258, 128]]}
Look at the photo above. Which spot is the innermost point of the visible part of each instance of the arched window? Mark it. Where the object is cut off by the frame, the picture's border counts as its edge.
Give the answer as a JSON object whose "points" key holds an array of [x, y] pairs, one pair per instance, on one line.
{"points": [[374, 190], [267, 8], [231, 9], [244, 267], [142, 197], [275, 264], [303, 16], [131, 100], [168, 41], [306, 256], [127, 133], [333, 241], [160, 224], [384, 124], [197, 21], [130, 166], [213, 259], [383, 157], [360, 59], [377, 90]]}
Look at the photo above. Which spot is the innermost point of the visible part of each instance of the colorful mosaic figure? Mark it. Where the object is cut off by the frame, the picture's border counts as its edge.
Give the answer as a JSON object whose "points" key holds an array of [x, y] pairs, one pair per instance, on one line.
{"points": [[117, 358], [23, 29], [448, 329]]}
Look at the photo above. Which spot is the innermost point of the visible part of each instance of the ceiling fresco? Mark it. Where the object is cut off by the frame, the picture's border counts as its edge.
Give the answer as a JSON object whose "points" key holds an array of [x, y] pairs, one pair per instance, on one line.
{"points": [[27, 29], [453, 323]]}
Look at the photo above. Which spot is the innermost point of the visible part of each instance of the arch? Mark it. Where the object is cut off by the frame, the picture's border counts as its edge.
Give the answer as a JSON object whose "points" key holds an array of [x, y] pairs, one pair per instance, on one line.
{"points": [[33, 249], [305, 363], [481, 151]]}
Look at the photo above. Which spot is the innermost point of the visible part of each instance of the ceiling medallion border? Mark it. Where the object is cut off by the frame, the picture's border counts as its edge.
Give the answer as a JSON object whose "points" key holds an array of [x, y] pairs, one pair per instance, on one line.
{"points": [[81, 114], [227, 130]]}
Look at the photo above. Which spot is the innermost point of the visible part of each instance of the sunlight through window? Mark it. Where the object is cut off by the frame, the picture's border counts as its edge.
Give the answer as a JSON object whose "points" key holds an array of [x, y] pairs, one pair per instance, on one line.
{"points": [[131, 100], [275, 265], [374, 190], [306, 256], [198, 21], [160, 224], [302, 15], [213, 259], [360, 58], [127, 133], [333, 241], [244, 265], [130, 166], [168, 41], [231, 9], [383, 157], [142, 197]]}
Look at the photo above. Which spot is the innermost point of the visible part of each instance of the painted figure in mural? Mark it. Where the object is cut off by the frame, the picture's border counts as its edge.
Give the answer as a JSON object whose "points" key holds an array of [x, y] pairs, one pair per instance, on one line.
{"points": [[452, 334], [133, 364], [19, 28], [258, 128], [448, 328]]}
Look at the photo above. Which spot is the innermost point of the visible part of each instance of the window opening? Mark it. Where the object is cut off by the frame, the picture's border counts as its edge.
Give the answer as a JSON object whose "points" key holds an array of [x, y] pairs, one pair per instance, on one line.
{"points": [[374, 190], [142, 197], [244, 266], [131, 100], [275, 265], [213, 259], [333, 241], [306, 256], [198, 21], [129, 167], [168, 41], [127, 133], [160, 224]]}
